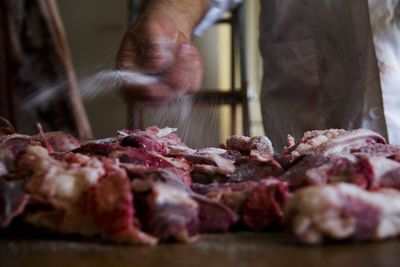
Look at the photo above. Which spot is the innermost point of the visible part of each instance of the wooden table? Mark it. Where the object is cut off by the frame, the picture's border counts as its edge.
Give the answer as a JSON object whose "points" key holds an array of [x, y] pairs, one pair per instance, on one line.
{"points": [[243, 249]]}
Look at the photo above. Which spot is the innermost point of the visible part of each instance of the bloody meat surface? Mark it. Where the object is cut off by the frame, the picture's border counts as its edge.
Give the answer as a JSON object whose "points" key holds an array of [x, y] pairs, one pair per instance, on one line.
{"points": [[146, 186]]}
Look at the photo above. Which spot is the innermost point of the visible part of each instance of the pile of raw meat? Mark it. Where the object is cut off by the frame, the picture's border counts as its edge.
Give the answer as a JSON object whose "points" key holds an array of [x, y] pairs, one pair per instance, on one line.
{"points": [[145, 187]]}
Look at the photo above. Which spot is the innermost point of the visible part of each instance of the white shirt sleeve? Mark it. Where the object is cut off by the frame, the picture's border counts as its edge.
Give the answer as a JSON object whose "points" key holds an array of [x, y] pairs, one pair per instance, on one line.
{"points": [[215, 11]]}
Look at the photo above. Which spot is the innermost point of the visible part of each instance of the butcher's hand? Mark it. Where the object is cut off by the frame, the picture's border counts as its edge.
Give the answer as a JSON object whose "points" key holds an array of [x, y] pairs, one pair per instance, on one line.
{"points": [[158, 45]]}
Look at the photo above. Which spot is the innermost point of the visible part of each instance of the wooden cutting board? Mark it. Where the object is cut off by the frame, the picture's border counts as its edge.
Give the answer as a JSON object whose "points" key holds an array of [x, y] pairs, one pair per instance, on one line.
{"points": [[245, 249]]}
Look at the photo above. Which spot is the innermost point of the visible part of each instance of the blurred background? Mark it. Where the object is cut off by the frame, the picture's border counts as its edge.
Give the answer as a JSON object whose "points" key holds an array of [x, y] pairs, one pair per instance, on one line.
{"points": [[94, 30]]}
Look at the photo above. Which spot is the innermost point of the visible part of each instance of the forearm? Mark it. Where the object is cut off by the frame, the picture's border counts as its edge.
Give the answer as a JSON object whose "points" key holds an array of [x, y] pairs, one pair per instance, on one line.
{"points": [[185, 13]]}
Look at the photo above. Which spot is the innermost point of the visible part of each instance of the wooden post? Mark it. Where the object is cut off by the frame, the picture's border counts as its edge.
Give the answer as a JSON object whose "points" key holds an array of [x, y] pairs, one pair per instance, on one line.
{"points": [[52, 16], [6, 66]]}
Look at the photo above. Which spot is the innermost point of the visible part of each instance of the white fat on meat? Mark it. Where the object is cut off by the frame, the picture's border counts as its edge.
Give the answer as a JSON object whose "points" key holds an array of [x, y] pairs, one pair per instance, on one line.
{"points": [[211, 150], [334, 141], [164, 193], [329, 134], [317, 212], [382, 166], [223, 166], [211, 154], [312, 140], [162, 132], [213, 170], [177, 163], [260, 156], [167, 194], [59, 141], [350, 141], [180, 150], [256, 144], [61, 180], [61, 185]]}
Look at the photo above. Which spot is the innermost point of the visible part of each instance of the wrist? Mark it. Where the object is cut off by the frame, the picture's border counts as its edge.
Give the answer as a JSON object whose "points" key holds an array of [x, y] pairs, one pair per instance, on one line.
{"points": [[185, 13]]}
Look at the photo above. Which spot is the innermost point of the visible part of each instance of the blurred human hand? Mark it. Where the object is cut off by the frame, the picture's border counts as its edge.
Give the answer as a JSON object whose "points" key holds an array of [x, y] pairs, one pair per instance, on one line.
{"points": [[157, 46]]}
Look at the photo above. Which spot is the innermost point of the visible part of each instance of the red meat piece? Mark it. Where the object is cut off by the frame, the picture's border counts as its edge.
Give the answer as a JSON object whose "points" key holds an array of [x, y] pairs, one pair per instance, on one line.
{"points": [[214, 217], [110, 205], [97, 149], [13, 199], [265, 205]]}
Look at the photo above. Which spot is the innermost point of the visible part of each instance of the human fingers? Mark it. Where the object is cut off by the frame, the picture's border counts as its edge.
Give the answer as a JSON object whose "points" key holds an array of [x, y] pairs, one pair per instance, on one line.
{"points": [[185, 75]]}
